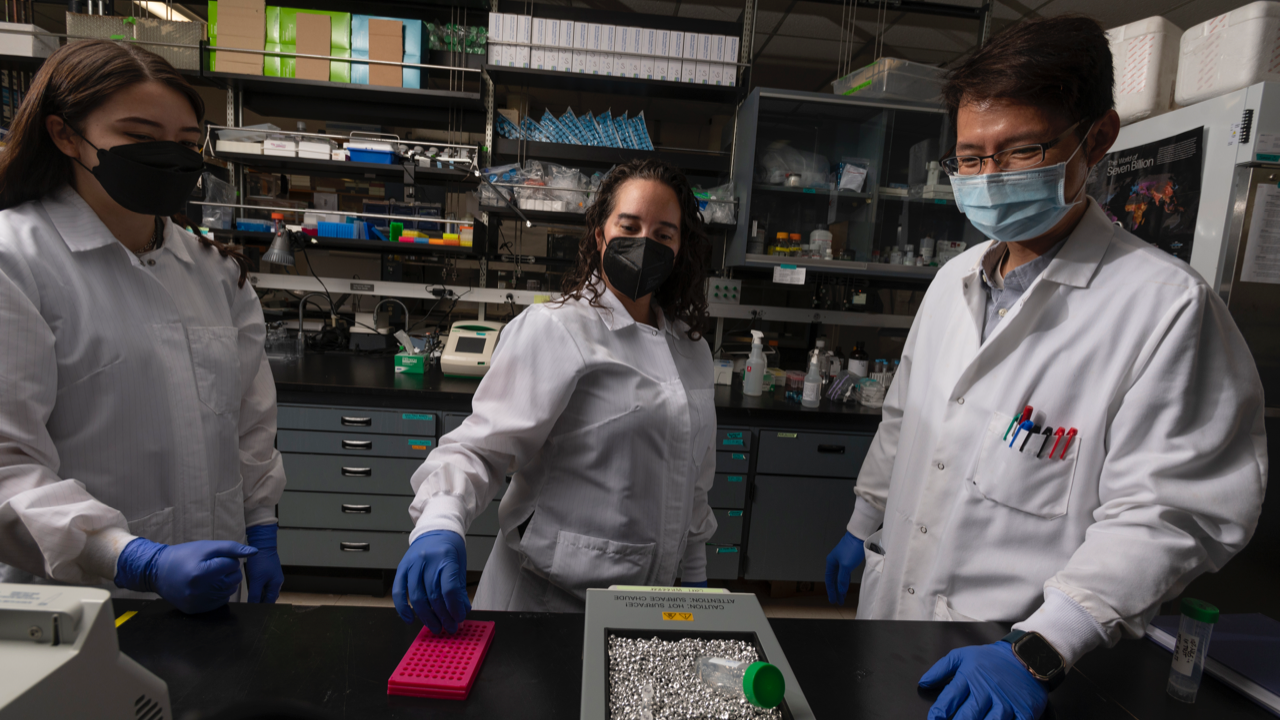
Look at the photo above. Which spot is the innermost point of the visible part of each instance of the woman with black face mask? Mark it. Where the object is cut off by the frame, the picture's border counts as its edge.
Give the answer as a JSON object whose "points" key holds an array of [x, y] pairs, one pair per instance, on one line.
{"points": [[138, 417], [602, 406]]}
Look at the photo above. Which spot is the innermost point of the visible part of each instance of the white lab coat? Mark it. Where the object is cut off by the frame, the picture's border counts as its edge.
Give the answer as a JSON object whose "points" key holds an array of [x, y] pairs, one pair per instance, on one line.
{"points": [[608, 425], [1163, 481], [137, 397]]}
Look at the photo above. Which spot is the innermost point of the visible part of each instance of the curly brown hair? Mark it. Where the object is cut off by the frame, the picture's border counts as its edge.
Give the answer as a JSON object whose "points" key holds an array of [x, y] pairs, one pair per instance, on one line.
{"points": [[683, 296]]}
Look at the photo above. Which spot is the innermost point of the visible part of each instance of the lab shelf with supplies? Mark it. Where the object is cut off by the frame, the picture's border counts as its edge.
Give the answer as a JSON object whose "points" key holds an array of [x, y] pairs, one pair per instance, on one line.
{"points": [[394, 172], [691, 161], [787, 172], [263, 239]]}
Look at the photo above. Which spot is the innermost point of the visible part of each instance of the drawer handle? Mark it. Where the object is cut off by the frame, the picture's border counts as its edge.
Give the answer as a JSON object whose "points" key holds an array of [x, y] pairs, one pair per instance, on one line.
{"points": [[357, 509], [833, 449], [357, 421], [357, 472], [354, 547], [357, 444]]}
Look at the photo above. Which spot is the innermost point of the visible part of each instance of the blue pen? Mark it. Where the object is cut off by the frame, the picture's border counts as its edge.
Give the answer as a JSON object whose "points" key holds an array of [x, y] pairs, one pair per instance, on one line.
{"points": [[1026, 425]]}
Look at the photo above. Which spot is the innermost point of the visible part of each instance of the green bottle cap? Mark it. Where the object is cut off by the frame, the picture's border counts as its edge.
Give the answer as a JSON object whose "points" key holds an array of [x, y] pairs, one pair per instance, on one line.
{"points": [[763, 685], [1199, 610]]}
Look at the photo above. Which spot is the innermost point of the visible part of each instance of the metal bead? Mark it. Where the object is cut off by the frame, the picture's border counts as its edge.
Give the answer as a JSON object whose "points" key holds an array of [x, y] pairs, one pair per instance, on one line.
{"points": [[657, 680]]}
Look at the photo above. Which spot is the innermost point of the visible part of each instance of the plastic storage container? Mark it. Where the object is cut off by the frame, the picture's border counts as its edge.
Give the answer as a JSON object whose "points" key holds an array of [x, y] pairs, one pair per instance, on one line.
{"points": [[1198, 619], [893, 79], [759, 683], [369, 151], [1232, 51], [1145, 57]]}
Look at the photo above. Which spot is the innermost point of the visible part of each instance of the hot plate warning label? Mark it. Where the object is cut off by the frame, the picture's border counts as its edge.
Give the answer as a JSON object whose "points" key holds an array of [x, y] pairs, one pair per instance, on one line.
{"points": [[678, 616]]}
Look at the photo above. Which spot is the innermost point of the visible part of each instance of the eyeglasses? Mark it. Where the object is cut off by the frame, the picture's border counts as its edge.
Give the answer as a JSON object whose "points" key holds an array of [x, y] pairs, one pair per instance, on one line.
{"points": [[1022, 157]]}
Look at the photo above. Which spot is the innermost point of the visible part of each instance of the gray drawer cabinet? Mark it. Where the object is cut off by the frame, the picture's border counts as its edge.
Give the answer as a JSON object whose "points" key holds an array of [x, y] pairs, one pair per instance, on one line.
{"points": [[354, 445], [802, 452], [342, 548], [795, 522], [728, 527], [345, 511], [723, 562], [357, 420], [336, 473], [452, 421], [728, 491], [737, 463], [733, 439]]}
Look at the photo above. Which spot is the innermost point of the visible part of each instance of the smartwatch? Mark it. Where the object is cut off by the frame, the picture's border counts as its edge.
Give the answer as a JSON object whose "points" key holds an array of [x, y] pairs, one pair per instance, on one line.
{"points": [[1038, 657]]}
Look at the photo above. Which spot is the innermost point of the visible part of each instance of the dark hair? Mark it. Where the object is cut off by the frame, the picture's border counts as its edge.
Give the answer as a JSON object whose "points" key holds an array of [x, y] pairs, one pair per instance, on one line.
{"points": [[1062, 62], [683, 296], [76, 80]]}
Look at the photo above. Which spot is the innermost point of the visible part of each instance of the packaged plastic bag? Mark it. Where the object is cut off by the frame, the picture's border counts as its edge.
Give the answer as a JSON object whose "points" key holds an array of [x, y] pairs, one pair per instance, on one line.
{"points": [[717, 204], [221, 218], [853, 174], [781, 160]]}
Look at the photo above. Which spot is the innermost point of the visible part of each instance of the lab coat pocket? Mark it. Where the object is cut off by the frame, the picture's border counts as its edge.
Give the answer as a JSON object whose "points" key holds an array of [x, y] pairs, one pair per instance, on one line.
{"points": [[872, 574], [582, 562], [156, 527], [228, 514], [215, 357], [1025, 479]]}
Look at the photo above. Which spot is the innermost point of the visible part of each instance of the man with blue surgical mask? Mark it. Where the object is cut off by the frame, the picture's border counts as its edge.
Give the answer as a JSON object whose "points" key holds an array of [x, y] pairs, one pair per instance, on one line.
{"points": [[1076, 429]]}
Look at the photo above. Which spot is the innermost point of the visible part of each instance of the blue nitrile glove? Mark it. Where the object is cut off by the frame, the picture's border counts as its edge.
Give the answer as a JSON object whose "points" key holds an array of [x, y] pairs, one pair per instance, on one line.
{"points": [[985, 681], [841, 563], [432, 577], [195, 576], [263, 569], [693, 584]]}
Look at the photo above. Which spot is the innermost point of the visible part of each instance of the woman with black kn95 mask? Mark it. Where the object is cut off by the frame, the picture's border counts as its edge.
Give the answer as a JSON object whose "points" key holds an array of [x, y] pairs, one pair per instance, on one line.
{"points": [[138, 417], [601, 405]]}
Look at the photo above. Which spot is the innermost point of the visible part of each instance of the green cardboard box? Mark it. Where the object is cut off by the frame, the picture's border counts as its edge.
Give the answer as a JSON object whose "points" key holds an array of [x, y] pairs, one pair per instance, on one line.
{"points": [[410, 364], [282, 36]]}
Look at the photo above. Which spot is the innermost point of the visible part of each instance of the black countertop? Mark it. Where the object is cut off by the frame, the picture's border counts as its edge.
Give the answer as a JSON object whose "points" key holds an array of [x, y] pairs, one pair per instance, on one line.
{"points": [[338, 659], [372, 379]]}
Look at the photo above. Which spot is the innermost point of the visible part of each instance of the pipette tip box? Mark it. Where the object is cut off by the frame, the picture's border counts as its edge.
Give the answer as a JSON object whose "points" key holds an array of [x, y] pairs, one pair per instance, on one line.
{"points": [[444, 666]]}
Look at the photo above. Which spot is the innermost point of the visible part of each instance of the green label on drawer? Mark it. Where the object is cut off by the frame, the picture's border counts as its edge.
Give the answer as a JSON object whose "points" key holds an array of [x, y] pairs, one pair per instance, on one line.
{"points": [[412, 416], [732, 442], [735, 478], [786, 435], [726, 550], [733, 435], [735, 513], [739, 456], [420, 444]]}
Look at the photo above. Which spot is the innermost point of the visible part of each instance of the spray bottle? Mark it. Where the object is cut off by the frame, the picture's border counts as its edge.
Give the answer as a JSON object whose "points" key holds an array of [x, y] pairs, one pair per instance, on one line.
{"points": [[812, 384], [753, 378]]}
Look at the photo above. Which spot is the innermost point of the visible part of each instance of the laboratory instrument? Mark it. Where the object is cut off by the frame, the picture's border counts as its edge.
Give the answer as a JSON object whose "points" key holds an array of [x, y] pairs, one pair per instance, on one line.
{"points": [[469, 350], [674, 614], [760, 683], [280, 252], [812, 384], [61, 658], [1194, 630], [753, 376]]}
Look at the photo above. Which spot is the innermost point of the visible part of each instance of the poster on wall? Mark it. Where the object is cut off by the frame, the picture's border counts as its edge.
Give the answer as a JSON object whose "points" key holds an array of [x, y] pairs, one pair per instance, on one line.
{"points": [[1153, 190]]}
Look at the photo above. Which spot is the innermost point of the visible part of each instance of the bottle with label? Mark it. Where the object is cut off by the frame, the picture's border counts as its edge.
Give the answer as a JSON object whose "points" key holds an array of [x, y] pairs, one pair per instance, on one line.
{"points": [[753, 376], [820, 351], [859, 362], [812, 384], [833, 367], [794, 245]]}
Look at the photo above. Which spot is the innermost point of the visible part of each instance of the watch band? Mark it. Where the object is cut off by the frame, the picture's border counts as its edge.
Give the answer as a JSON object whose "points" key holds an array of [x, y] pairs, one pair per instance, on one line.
{"points": [[1051, 682]]}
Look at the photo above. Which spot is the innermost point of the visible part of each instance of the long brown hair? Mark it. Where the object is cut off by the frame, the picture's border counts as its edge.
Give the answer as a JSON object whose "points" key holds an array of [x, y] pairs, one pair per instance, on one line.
{"points": [[683, 296], [75, 80]]}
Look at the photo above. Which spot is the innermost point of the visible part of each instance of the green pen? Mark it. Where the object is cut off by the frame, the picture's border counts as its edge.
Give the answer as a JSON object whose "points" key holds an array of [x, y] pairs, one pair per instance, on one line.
{"points": [[1017, 420]]}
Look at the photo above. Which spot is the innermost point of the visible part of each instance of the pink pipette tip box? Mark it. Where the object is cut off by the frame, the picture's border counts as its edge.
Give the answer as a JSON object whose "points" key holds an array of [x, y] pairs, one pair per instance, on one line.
{"points": [[443, 666]]}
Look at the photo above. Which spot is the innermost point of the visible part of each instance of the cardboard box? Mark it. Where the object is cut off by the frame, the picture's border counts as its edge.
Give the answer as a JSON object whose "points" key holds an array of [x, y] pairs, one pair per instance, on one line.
{"points": [[648, 71], [286, 29], [495, 27], [703, 73], [691, 41], [706, 42], [661, 66], [662, 43], [717, 48], [649, 44], [538, 58], [524, 28], [313, 33], [386, 42], [717, 74], [539, 38], [242, 24], [675, 46], [412, 38], [731, 49], [593, 63], [564, 58], [524, 56], [689, 71], [729, 75], [622, 45], [510, 55], [510, 28], [581, 45], [579, 62]]}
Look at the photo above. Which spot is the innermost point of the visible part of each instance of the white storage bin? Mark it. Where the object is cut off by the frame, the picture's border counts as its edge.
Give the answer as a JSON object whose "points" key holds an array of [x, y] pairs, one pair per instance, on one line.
{"points": [[893, 79], [22, 40], [1229, 52], [1145, 57], [238, 146]]}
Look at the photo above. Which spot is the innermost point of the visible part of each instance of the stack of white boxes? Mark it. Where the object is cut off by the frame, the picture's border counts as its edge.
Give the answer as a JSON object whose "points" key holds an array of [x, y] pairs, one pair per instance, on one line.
{"points": [[583, 48]]}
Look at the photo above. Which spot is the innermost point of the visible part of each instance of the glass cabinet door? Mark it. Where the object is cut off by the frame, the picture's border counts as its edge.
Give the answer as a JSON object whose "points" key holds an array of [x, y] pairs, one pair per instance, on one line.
{"points": [[865, 173]]}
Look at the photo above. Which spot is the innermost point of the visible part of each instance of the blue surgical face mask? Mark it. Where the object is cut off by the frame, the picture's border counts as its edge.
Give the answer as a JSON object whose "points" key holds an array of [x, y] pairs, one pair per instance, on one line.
{"points": [[1018, 205]]}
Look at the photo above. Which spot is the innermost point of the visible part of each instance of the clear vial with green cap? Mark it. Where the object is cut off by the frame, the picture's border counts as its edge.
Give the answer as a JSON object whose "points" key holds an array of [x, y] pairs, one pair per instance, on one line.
{"points": [[1198, 618], [760, 683]]}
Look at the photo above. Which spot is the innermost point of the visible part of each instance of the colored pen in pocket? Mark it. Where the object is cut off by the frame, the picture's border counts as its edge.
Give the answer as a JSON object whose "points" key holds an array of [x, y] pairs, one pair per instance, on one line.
{"points": [[1026, 425], [1030, 433], [1048, 433]]}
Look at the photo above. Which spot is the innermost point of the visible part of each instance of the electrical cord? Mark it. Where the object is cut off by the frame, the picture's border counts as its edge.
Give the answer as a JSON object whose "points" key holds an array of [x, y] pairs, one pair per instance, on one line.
{"points": [[333, 309]]}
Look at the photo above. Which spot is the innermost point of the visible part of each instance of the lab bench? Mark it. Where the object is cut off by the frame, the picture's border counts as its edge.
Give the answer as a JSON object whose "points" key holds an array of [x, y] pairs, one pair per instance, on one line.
{"points": [[352, 432], [337, 660]]}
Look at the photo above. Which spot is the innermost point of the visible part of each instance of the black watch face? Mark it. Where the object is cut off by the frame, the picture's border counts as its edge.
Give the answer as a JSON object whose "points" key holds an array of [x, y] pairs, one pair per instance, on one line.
{"points": [[1039, 655]]}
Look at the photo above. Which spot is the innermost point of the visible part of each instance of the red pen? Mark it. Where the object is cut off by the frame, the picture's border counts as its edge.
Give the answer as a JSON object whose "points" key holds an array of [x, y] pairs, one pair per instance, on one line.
{"points": [[1070, 434], [1026, 414], [1057, 439]]}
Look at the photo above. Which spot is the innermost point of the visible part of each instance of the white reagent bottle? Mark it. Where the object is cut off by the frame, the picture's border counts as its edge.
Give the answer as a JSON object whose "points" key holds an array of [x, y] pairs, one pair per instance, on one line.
{"points": [[753, 377], [812, 384]]}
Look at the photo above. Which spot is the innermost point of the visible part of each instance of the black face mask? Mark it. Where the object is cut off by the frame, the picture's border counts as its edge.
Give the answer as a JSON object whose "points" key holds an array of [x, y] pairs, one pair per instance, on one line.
{"points": [[637, 266], [149, 178]]}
